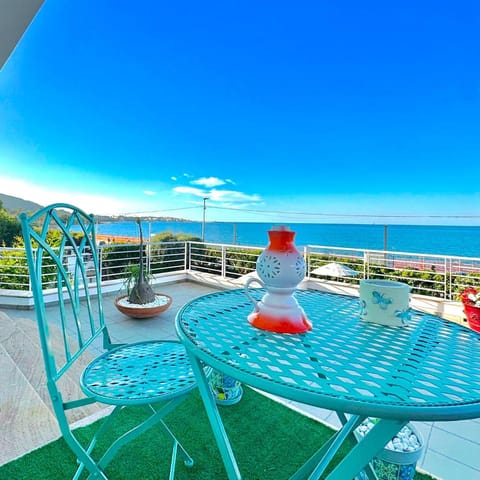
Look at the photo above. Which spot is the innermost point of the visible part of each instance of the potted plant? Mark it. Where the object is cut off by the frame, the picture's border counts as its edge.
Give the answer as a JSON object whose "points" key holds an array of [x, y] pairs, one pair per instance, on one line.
{"points": [[398, 459], [470, 297], [141, 301], [226, 390]]}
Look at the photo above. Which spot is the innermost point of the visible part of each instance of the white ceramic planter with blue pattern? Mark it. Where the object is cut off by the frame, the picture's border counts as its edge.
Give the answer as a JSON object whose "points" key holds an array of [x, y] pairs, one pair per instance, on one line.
{"points": [[226, 390], [385, 302]]}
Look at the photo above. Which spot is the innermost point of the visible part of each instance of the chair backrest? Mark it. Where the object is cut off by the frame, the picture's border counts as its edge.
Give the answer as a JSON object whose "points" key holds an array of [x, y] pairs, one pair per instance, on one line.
{"points": [[63, 263]]}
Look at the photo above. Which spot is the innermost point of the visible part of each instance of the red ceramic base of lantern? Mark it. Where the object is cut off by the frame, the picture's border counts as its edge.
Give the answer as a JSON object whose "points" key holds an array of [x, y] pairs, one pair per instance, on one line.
{"points": [[473, 316], [292, 324]]}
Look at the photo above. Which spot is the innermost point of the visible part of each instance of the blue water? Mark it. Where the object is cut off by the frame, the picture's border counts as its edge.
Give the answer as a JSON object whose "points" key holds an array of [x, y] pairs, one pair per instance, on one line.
{"points": [[443, 240]]}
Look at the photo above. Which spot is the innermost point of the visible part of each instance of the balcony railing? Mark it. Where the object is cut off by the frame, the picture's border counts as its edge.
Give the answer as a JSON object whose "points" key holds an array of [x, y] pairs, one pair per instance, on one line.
{"points": [[438, 276], [431, 275]]}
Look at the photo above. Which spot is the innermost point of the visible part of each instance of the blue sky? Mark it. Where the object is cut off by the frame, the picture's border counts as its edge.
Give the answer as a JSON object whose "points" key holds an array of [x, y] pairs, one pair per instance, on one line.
{"points": [[306, 111]]}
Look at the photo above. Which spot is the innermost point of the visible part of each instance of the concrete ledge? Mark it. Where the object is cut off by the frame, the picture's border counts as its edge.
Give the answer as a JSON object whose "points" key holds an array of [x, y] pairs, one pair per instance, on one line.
{"points": [[23, 299], [450, 310]]}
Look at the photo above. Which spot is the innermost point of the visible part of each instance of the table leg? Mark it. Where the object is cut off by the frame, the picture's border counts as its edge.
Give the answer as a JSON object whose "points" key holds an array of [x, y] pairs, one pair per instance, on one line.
{"points": [[315, 466], [366, 449], [233, 472], [367, 470]]}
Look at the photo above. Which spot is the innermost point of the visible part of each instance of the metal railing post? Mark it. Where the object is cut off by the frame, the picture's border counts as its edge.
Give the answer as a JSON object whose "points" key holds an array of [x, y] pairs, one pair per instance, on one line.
{"points": [[224, 262], [366, 273], [100, 262], [447, 287], [149, 256], [306, 256]]}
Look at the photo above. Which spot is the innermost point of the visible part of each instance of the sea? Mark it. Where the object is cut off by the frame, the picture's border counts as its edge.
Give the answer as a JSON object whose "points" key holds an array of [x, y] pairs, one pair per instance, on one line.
{"points": [[461, 241]]}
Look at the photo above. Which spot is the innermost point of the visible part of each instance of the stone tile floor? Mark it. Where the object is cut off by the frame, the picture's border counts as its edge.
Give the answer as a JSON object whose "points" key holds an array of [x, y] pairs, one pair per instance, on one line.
{"points": [[452, 448]]}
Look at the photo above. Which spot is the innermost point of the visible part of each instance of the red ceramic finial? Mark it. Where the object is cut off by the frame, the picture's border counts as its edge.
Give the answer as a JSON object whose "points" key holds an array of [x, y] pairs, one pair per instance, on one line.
{"points": [[281, 239]]}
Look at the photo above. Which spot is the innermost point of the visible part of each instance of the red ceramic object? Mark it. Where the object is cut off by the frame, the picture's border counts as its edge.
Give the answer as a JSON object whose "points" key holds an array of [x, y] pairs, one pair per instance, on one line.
{"points": [[473, 316], [297, 323]]}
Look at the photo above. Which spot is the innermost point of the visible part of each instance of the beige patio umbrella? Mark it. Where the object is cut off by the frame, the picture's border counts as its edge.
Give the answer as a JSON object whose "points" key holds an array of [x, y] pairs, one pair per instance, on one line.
{"points": [[335, 269]]}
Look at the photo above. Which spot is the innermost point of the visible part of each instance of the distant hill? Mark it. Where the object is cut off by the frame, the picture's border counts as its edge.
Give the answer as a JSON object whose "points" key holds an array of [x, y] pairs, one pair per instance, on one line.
{"points": [[16, 205]]}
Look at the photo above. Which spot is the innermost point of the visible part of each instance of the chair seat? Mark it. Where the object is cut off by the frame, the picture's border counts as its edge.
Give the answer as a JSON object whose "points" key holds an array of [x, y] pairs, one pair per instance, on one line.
{"points": [[139, 373]]}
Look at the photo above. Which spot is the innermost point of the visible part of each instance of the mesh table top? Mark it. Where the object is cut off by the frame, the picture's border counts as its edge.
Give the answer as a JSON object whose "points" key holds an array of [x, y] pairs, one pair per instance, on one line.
{"points": [[427, 370]]}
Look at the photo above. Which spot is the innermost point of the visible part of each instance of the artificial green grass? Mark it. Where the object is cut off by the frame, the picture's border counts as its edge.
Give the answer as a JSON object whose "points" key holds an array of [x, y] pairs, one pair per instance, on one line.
{"points": [[270, 442]]}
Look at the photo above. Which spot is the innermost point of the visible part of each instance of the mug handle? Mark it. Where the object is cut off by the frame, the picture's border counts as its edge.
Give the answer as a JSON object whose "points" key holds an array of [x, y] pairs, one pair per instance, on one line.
{"points": [[247, 286]]}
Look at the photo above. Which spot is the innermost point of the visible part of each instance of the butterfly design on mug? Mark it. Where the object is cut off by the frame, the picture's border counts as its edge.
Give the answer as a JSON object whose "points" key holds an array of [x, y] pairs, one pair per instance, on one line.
{"points": [[363, 308], [380, 300], [404, 315]]}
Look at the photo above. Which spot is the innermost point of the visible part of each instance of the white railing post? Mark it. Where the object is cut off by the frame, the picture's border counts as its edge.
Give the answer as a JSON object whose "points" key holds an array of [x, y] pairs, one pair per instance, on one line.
{"points": [[448, 274], [149, 255], [100, 262], [224, 261], [306, 256]]}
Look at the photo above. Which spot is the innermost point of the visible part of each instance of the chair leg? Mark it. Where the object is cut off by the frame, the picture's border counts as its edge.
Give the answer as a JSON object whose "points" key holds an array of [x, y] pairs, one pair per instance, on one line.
{"points": [[133, 433], [84, 458], [84, 455], [96, 469], [187, 459]]}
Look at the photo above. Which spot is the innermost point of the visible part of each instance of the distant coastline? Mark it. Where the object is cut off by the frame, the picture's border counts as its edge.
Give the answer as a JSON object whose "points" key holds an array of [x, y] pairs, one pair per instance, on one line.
{"points": [[129, 218]]}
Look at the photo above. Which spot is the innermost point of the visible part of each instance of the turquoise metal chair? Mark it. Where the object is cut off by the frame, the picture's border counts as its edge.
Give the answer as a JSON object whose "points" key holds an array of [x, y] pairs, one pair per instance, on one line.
{"points": [[63, 262]]}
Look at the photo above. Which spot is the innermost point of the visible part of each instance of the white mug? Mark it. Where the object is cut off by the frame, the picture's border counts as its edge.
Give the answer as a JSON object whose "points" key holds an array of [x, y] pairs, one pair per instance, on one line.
{"points": [[385, 302]]}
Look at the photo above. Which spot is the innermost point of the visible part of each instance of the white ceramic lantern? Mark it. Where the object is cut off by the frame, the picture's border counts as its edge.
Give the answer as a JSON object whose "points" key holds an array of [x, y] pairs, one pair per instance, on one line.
{"points": [[280, 268]]}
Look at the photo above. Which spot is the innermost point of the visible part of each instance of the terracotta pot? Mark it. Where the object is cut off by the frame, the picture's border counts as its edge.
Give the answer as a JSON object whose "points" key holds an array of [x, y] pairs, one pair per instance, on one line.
{"points": [[144, 311], [473, 316], [390, 464]]}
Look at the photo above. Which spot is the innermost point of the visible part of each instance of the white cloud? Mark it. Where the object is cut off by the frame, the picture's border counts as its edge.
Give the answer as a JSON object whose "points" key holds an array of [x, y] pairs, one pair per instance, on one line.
{"points": [[208, 182], [215, 195], [232, 196], [149, 192], [173, 178], [198, 192], [219, 196]]}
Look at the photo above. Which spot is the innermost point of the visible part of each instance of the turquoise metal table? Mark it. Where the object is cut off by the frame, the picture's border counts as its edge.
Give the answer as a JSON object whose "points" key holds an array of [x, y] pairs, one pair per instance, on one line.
{"points": [[426, 371]]}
